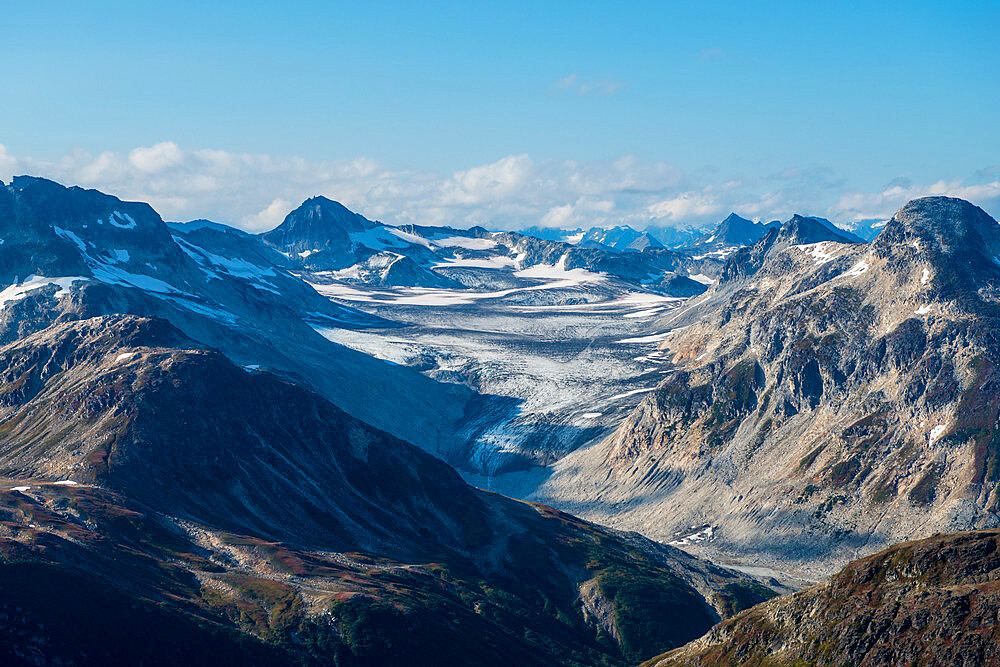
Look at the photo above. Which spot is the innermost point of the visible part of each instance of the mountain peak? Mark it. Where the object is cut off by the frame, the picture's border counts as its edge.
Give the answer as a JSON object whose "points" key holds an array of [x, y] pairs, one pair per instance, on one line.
{"points": [[807, 229], [734, 218], [317, 222], [734, 231], [947, 224]]}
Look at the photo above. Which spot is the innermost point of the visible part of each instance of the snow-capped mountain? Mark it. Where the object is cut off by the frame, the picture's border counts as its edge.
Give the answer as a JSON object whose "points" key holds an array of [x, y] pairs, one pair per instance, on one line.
{"points": [[867, 228], [334, 245], [729, 236], [675, 236], [571, 236], [72, 253], [622, 239], [57, 236]]}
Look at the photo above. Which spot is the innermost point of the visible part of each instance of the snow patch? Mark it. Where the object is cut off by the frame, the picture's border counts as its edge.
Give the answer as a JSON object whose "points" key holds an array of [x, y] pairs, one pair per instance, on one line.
{"points": [[121, 220], [685, 538], [935, 433], [631, 393], [923, 310], [654, 338], [644, 313], [66, 482], [125, 356], [464, 242], [559, 272], [591, 415], [925, 276], [19, 291], [408, 237], [497, 262], [820, 252], [108, 273], [701, 278], [857, 269], [118, 256]]}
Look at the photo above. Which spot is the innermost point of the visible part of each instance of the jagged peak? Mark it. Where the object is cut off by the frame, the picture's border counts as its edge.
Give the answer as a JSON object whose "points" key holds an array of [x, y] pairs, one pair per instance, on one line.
{"points": [[36, 203]]}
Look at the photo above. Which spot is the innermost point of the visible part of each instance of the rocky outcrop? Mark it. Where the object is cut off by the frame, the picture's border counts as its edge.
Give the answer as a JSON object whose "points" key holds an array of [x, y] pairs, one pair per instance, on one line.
{"points": [[932, 602]]}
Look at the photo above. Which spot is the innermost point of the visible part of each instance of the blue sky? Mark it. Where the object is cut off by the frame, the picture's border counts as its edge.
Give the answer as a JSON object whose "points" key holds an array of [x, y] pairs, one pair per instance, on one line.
{"points": [[670, 113]]}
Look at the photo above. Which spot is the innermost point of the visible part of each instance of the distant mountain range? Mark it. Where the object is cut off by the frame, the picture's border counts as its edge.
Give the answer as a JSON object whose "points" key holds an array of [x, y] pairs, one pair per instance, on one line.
{"points": [[334, 244]]}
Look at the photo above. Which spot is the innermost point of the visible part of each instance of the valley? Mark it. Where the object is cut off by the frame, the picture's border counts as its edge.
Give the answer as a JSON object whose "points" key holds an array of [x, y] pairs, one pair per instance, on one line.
{"points": [[343, 420], [550, 377]]}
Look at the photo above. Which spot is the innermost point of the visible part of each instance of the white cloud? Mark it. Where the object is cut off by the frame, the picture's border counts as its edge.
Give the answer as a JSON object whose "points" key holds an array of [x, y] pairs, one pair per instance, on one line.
{"points": [[156, 158], [558, 216], [255, 191], [861, 205], [269, 217], [585, 212], [685, 206], [606, 85], [566, 82], [490, 182]]}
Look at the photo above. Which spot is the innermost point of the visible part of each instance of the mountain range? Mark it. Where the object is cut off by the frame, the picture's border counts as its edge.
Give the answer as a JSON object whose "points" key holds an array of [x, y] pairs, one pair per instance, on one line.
{"points": [[288, 447], [825, 399], [235, 502]]}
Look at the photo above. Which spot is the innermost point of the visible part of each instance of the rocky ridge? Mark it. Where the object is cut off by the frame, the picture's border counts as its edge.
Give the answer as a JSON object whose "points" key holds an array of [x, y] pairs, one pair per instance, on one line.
{"points": [[932, 602]]}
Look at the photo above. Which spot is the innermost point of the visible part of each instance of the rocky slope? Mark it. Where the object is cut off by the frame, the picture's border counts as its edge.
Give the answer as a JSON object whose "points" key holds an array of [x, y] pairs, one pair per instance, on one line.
{"points": [[824, 400], [236, 500], [69, 253], [932, 602]]}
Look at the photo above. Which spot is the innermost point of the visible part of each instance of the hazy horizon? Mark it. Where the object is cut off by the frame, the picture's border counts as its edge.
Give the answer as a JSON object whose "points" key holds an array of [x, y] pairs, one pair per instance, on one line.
{"points": [[553, 116]]}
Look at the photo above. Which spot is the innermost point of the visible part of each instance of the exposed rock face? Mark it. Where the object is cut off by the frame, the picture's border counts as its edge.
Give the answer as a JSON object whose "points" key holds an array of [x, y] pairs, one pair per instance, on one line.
{"points": [[825, 398], [807, 229], [933, 602]]}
